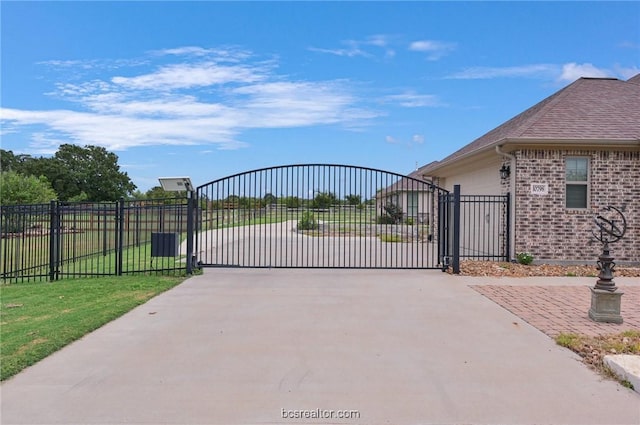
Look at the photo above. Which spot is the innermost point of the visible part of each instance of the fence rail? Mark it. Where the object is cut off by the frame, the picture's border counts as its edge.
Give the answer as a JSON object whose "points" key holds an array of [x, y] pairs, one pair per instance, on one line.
{"points": [[50, 241]]}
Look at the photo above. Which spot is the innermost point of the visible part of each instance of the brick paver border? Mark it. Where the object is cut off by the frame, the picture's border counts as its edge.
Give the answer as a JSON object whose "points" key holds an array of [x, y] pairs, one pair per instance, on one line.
{"points": [[562, 309]]}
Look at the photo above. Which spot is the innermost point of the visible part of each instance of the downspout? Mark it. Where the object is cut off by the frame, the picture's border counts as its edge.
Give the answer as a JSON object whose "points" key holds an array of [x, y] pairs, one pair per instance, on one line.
{"points": [[512, 190]]}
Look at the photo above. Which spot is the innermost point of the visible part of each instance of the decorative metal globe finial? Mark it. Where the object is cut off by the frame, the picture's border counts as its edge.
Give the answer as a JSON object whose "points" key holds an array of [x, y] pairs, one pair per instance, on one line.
{"points": [[610, 230]]}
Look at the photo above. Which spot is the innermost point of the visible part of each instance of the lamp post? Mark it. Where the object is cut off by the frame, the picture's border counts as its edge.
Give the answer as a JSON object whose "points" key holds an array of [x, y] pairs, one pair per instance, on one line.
{"points": [[605, 297]]}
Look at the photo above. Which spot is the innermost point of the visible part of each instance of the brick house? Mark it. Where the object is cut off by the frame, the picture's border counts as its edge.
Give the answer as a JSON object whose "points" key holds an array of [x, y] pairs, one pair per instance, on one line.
{"points": [[411, 196], [562, 160]]}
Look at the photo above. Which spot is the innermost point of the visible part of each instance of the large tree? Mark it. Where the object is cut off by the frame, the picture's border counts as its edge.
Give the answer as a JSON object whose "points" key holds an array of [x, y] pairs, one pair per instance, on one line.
{"points": [[91, 170], [11, 162], [324, 200], [76, 173]]}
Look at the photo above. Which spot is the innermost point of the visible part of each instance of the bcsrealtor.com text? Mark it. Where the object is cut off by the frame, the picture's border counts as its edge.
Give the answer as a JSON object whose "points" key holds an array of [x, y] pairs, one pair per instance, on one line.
{"points": [[319, 414]]}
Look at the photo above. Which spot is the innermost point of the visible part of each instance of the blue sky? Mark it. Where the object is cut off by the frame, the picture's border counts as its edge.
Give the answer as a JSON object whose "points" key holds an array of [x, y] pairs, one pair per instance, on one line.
{"points": [[208, 89]]}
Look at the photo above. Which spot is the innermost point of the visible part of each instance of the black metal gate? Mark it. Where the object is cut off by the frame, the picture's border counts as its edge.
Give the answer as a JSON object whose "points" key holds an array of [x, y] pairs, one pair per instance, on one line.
{"points": [[320, 216], [477, 227]]}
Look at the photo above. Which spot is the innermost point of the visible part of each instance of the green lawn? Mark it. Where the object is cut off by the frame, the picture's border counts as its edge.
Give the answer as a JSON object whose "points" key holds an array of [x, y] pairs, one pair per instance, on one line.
{"points": [[219, 219], [37, 319], [84, 258]]}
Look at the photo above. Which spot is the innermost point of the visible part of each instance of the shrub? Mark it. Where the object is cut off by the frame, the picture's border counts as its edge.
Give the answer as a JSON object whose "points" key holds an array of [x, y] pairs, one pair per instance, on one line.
{"points": [[307, 222], [387, 237], [324, 200], [392, 214], [385, 219], [17, 189], [292, 202], [524, 258]]}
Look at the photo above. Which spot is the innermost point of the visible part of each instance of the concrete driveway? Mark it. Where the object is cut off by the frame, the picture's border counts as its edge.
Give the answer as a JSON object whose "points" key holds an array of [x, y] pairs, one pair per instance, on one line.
{"points": [[250, 346]]}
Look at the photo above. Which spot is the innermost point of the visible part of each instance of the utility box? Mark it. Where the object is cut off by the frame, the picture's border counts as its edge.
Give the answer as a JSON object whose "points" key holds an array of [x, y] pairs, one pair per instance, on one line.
{"points": [[165, 244]]}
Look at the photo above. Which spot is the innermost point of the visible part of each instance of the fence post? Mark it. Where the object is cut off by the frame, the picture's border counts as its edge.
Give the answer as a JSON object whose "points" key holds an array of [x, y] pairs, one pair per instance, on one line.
{"points": [[507, 254], [443, 229], [53, 240], [120, 235], [456, 229], [190, 233]]}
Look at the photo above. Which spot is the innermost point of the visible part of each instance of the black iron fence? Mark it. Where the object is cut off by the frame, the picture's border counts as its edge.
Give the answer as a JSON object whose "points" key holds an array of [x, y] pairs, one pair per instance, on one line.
{"points": [[310, 216], [51, 241], [478, 227]]}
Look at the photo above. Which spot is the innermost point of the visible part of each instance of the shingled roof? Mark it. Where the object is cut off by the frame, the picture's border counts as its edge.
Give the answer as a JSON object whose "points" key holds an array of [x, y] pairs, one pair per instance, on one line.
{"points": [[603, 109], [407, 183]]}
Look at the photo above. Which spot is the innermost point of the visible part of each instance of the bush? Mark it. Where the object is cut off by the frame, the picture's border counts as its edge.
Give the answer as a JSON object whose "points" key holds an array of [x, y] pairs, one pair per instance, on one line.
{"points": [[391, 238], [324, 200], [292, 202], [385, 219], [524, 258], [392, 214], [17, 189], [307, 222]]}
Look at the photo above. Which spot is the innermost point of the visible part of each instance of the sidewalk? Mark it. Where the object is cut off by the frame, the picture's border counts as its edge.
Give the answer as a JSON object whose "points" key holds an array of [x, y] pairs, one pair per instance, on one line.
{"points": [[242, 346]]}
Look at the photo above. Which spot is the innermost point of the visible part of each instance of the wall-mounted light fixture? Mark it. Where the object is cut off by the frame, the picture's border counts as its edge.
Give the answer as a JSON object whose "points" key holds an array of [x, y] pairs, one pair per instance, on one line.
{"points": [[505, 172]]}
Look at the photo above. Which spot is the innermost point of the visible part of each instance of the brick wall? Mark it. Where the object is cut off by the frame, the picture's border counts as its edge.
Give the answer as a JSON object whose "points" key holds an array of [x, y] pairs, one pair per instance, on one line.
{"points": [[547, 229]]}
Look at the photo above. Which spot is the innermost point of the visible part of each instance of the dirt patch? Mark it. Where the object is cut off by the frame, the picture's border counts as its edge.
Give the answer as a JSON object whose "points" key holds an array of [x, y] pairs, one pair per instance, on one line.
{"points": [[31, 344], [497, 269], [593, 349]]}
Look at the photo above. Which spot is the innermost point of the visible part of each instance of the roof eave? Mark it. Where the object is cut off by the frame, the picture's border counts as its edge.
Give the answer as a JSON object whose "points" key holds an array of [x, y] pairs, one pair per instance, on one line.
{"points": [[511, 144]]}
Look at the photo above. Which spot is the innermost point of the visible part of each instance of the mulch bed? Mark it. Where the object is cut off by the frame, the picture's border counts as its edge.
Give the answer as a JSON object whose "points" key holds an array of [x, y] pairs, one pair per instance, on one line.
{"points": [[491, 268]]}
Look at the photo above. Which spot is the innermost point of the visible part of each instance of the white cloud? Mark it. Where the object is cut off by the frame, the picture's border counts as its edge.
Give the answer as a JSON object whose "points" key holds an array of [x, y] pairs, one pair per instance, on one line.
{"points": [[416, 139], [70, 64], [379, 40], [629, 45], [354, 48], [118, 132], [294, 104], [626, 73], [82, 67], [414, 100], [563, 73], [218, 54], [351, 51], [434, 49], [476, 73], [572, 71], [190, 75], [137, 166], [186, 103]]}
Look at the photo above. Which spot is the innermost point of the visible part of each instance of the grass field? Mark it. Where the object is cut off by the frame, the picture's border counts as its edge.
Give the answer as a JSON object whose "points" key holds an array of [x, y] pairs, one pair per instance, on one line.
{"points": [[134, 259], [87, 244], [37, 319], [218, 219]]}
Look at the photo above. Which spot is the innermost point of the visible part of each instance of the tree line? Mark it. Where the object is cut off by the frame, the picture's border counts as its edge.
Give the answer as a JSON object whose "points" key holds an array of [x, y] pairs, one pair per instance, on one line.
{"points": [[321, 200], [92, 174], [73, 173]]}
